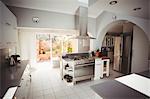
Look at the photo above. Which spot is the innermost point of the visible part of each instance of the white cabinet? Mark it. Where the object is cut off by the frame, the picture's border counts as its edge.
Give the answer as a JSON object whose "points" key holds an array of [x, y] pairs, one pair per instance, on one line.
{"points": [[98, 64], [101, 68], [73, 72], [9, 31]]}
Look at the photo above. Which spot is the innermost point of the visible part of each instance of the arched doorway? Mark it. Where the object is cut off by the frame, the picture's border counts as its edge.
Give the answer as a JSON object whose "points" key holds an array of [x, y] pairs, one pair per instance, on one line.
{"points": [[127, 46]]}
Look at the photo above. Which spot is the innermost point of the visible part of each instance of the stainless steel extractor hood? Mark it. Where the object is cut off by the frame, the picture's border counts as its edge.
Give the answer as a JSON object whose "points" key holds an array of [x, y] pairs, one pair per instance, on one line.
{"points": [[81, 23]]}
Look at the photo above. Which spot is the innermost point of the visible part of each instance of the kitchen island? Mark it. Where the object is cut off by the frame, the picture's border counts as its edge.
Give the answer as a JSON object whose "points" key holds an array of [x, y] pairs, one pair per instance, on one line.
{"points": [[81, 66], [127, 87], [77, 67]]}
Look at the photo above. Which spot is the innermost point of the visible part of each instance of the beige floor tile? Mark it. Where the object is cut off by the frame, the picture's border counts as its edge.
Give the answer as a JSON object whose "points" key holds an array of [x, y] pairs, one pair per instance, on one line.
{"points": [[47, 84]]}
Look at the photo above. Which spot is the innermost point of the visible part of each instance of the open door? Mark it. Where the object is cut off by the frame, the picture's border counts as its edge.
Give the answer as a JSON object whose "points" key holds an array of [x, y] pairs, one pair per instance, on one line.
{"points": [[117, 53]]}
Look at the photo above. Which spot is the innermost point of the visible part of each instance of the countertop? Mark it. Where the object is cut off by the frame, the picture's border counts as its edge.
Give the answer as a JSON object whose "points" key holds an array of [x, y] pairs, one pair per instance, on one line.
{"points": [[68, 59], [115, 90], [71, 59], [11, 75], [136, 82]]}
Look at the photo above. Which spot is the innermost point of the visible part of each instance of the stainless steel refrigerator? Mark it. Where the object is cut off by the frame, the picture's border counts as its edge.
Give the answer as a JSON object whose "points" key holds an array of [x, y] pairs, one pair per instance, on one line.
{"points": [[123, 53]]}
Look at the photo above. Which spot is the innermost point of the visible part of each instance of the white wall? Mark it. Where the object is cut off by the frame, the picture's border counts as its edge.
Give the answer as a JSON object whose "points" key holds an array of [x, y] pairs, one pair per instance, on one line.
{"points": [[103, 23], [107, 18], [92, 32], [51, 20], [140, 61], [92, 27], [47, 19], [27, 44], [27, 41], [140, 50]]}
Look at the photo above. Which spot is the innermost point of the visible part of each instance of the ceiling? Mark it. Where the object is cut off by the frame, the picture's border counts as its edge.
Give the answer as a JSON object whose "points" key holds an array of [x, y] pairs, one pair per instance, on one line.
{"points": [[96, 7], [124, 7], [62, 6]]}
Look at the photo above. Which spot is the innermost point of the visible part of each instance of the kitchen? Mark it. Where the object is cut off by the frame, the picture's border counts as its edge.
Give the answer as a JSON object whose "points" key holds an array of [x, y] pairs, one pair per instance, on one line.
{"points": [[61, 18]]}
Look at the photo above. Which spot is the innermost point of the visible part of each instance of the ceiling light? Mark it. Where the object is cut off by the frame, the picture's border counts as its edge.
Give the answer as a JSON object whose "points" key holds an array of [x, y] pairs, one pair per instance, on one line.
{"points": [[113, 2], [136, 9]]}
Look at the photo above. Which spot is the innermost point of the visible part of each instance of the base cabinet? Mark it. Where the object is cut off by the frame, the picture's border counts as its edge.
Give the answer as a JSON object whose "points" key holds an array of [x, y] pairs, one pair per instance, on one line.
{"points": [[101, 68]]}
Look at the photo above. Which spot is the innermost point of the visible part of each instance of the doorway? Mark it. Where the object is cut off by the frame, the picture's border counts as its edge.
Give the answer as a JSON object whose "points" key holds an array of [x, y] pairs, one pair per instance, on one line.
{"points": [[50, 47], [132, 51], [118, 47], [43, 47]]}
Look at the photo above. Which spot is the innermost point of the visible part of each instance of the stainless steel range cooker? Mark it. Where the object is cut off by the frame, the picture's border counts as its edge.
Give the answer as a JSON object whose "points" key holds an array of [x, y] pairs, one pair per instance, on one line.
{"points": [[78, 68]]}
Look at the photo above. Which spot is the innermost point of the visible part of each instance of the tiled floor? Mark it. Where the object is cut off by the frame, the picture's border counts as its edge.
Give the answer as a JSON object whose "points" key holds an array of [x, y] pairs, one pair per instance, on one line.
{"points": [[47, 84]]}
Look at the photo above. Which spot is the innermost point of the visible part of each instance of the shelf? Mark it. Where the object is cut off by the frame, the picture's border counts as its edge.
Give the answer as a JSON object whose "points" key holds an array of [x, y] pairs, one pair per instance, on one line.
{"points": [[68, 83], [79, 72], [68, 72]]}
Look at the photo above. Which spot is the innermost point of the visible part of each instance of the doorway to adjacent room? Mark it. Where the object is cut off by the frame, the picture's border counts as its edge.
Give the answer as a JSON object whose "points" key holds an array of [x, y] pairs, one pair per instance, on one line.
{"points": [[43, 47], [50, 47], [125, 43]]}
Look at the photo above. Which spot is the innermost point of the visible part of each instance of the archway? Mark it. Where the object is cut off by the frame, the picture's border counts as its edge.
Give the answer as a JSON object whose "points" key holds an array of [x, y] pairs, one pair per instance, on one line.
{"points": [[140, 44], [108, 18]]}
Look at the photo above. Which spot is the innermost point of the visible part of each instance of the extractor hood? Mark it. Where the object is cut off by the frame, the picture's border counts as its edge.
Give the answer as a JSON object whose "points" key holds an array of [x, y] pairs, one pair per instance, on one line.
{"points": [[81, 23]]}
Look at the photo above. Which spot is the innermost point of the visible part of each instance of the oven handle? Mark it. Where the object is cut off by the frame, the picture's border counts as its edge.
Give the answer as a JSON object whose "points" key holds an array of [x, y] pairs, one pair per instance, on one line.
{"points": [[84, 65]]}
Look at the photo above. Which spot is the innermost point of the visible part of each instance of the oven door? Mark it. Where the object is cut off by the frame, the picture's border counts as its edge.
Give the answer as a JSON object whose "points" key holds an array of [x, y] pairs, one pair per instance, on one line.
{"points": [[84, 71]]}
